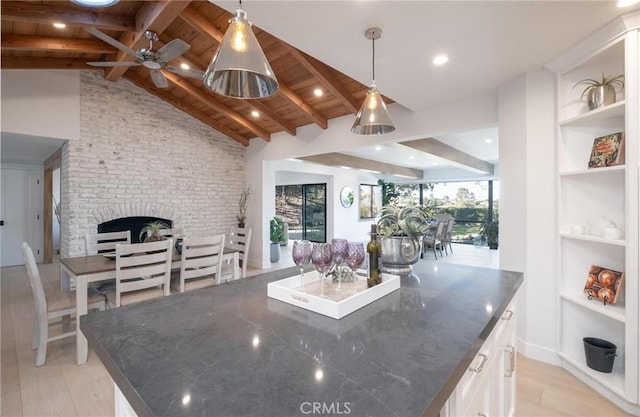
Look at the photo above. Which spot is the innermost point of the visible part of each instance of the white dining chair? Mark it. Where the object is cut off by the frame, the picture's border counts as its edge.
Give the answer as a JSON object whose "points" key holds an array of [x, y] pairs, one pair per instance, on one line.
{"points": [[53, 307], [239, 238], [95, 243], [143, 272], [200, 263]]}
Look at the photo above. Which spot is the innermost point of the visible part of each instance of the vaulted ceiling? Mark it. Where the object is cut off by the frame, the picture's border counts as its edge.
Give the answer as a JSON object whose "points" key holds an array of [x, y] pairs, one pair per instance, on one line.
{"points": [[30, 41]]}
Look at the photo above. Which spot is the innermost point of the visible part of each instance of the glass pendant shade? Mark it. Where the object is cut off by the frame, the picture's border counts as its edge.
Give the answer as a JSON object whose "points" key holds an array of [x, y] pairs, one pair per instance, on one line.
{"points": [[373, 118], [239, 69]]}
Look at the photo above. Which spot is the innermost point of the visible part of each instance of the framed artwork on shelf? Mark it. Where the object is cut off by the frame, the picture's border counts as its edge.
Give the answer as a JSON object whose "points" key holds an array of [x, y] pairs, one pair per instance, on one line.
{"points": [[607, 151], [604, 284]]}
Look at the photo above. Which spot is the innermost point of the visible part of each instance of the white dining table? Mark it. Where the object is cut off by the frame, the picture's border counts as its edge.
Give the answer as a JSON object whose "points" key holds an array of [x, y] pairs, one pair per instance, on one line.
{"points": [[92, 268]]}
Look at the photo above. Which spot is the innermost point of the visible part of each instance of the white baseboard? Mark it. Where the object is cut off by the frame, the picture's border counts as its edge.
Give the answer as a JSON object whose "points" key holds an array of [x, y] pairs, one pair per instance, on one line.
{"points": [[539, 353]]}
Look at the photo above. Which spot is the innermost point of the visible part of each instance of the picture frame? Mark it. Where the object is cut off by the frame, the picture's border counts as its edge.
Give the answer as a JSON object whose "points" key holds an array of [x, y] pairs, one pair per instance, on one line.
{"points": [[608, 150], [604, 284], [347, 197]]}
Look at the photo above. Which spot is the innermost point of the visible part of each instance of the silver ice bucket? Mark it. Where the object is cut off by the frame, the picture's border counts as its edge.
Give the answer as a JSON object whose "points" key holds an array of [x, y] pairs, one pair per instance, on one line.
{"points": [[398, 254]]}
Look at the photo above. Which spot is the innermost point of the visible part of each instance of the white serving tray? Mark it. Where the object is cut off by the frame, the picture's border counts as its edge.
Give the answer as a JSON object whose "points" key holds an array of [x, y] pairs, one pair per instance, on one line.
{"points": [[328, 299]]}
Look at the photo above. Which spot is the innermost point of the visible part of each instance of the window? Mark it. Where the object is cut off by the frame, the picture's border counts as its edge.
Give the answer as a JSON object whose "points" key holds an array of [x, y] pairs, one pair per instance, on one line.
{"points": [[370, 201]]}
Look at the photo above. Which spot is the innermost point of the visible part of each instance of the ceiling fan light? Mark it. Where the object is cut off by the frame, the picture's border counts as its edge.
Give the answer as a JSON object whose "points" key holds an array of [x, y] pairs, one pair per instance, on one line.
{"points": [[95, 3], [373, 117], [239, 68]]}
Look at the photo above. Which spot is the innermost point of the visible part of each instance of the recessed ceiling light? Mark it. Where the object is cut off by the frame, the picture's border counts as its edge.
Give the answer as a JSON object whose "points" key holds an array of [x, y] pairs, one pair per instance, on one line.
{"points": [[378, 148], [184, 66], [255, 114], [411, 157], [59, 25], [95, 3], [440, 59], [318, 92], [488, 140], [626, 3]]}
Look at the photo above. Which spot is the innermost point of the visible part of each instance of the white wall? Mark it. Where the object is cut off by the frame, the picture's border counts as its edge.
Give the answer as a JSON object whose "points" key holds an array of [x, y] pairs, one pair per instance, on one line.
{"points": [[527, 206], [41, 103]]}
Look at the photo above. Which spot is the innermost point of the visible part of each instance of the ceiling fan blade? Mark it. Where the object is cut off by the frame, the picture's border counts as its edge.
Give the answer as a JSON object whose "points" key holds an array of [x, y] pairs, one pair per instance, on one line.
{"points": [[113, 64], [173, 49], [108, 39], [190, 73], [159, 79]]}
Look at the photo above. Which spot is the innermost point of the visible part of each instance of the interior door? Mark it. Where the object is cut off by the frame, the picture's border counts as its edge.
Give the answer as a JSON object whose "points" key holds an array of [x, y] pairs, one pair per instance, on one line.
{"points": [[314, 212], [20, 213]]}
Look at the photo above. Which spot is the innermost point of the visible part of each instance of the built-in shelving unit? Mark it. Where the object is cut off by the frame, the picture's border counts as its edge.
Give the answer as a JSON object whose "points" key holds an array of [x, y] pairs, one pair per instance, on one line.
{"points": [[586, 196]]}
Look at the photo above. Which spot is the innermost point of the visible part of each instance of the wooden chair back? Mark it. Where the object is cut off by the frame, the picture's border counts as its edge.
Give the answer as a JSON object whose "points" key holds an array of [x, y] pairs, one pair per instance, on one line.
{"points": [[142, 266], [95, 243], [240, 240], [201, 257]]}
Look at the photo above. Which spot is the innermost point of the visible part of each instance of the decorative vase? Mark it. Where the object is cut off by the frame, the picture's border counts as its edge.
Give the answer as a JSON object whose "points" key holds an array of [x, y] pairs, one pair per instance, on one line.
{"points": [[599, 96], [398, 254], [275, 252]]}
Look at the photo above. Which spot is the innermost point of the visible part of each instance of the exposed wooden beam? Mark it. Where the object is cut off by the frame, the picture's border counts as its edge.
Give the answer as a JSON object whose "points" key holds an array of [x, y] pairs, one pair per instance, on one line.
{"points": [[211, 102], [21, 11], [311, 112], [457, 157], [27, 62], [155, 16], [38, 43], [191, 16], [342, 160], [325, 77], [267, 112], [180, 104]]}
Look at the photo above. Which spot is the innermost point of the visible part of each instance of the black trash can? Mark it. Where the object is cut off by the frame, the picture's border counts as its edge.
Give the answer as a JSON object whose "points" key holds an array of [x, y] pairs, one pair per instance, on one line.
{"points": [[599, 353]]}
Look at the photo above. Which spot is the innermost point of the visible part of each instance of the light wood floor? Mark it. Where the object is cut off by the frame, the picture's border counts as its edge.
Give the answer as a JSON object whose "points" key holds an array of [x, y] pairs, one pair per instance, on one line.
{"points": [[62, 388]]}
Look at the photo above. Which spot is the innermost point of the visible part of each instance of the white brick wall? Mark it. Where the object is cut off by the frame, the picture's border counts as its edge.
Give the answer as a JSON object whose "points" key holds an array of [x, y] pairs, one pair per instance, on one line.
{"points": [[136, 150]]}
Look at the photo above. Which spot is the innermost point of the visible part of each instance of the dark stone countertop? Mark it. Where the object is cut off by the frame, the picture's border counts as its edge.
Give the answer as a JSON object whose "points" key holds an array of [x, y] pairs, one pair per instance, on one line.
{"points": [[229, 350]]}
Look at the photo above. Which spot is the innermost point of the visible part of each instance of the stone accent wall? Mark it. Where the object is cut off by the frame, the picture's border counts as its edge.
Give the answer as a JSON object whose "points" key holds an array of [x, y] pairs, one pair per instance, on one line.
{"points": [[137, 152]]}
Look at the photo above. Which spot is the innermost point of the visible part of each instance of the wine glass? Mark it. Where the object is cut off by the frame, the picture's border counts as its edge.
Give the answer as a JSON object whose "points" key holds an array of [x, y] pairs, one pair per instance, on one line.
{"points": [[354, 259], [339, 248], [321, 257], [301, 256]]}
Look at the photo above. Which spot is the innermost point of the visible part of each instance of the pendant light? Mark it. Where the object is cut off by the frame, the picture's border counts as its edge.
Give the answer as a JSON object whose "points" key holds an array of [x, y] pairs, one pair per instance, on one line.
{"points": [[373, 118], [239, 68]]}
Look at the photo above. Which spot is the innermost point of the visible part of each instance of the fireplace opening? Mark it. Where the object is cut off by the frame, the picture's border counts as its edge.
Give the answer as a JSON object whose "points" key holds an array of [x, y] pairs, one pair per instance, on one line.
{"points": [[134, 223]]}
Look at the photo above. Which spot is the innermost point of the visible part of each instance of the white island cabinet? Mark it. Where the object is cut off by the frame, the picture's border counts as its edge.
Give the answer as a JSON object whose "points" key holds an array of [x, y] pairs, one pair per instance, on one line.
{"points": [[590, 197], [488, 386]]}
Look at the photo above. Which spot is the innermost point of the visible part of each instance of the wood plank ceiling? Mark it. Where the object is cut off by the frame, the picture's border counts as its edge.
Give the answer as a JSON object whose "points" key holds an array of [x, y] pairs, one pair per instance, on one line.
{"points": [[30, 41]]}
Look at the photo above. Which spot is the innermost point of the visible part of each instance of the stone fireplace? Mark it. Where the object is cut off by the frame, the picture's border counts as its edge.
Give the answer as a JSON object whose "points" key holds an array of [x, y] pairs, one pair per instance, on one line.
{"points": [[138, 156], [133, 223]]}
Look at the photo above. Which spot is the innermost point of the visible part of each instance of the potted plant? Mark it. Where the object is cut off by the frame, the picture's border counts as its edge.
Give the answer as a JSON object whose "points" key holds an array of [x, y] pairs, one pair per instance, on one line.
{"points": [[151, 232], [400, 231], [243, 203], [490, 230], [601, 92], [276, 235]]}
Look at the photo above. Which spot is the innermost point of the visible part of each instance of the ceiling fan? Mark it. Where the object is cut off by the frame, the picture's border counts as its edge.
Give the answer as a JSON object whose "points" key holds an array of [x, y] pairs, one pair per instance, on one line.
{"points": [[150, 58]]}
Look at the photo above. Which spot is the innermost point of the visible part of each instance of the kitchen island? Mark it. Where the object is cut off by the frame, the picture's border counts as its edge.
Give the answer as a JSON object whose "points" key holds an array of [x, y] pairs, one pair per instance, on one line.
{"points": [[229, 350]]}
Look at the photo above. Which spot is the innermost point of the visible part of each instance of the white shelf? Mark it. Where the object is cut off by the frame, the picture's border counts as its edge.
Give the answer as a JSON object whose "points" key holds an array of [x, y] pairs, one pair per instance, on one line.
{"points": [[597, 116], [613, 311], [615, 381], [585, 195], [592, 171], [592, 238]]}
